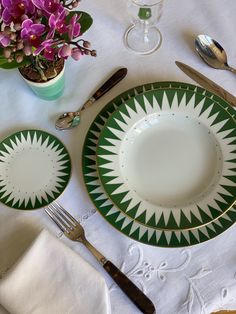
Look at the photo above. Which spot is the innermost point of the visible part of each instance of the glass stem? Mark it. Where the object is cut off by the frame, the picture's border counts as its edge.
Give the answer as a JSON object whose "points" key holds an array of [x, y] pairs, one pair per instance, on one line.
{"points": [[144, 14], [145, 32]]}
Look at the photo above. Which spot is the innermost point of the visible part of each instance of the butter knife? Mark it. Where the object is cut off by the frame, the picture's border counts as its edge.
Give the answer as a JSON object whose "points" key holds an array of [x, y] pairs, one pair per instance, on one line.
{"points": [[207, 83]]}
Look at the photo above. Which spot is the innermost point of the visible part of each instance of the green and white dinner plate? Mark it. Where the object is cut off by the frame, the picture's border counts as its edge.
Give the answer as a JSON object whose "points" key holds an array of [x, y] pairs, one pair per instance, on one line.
{"points": [[169, 156], [121, 221], [35, 168]]}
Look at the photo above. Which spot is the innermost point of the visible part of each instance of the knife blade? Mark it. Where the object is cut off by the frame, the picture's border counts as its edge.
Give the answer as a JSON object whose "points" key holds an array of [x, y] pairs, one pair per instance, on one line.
{"points": [[207, 83]]}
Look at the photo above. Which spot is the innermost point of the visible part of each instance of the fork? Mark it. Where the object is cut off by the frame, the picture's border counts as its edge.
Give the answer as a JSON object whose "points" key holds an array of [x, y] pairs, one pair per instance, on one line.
{"points": [[73, 230]]}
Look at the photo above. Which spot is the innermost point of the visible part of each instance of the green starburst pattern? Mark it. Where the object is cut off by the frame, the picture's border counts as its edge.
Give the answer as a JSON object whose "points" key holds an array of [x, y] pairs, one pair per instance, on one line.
{"points": [[121, 221], [202, 110], [35, 168]]}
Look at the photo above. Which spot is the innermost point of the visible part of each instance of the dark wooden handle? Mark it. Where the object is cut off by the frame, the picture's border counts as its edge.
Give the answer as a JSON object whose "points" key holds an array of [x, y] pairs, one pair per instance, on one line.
{"points": [[112, 81], [133, 292]]}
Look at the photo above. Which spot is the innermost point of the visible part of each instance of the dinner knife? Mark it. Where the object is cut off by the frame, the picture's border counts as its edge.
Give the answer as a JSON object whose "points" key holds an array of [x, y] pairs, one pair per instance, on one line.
{"points": [[206, 83]]}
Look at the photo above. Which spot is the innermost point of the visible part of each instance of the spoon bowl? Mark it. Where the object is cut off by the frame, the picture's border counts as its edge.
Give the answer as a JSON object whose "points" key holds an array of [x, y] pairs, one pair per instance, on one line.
{"points": [[212, 53], [68, 120]]}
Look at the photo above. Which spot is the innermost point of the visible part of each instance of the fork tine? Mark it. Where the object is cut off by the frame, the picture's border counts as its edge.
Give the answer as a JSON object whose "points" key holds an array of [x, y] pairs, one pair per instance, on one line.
{"points": [[52, 216], [58, 210], [66, 213], [62, 220]]}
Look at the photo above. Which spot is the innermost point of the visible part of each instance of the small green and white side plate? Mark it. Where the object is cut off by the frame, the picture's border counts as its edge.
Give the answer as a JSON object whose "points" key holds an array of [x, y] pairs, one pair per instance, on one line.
{"points": [[35, 168], [120, 220], [169, 156]]}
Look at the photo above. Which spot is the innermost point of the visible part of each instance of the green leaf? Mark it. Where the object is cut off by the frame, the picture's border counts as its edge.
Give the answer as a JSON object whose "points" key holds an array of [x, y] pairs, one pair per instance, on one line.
{"points": [[9, 66], [85, 20], [2, 60], [14, 64]]}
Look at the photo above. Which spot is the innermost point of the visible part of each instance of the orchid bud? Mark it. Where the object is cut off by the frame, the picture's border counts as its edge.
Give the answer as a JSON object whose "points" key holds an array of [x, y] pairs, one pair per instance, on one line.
{"points": [[13, 36], [20, 45], [9, 60], [24, 17], [17, 26], [7, 53], [7, 30], [27, 50], [86, 44], [19, 58], [76, 53], [93, 53], [64, 51], [75, 4], [4, 39], [14, 49], [39, 13]]}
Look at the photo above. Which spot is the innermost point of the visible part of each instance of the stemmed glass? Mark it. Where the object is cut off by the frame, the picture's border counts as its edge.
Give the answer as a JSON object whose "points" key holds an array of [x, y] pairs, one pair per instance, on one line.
{"points": [[143, 36]]}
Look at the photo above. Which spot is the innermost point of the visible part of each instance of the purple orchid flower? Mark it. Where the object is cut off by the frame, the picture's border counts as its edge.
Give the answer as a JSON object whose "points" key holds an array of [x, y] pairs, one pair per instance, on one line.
{"points": [[41, 28], [57, 23], [47, 47], [48, 7], [44, 45], [32, 32], [4, 40], [74, 27], [13, 10]]}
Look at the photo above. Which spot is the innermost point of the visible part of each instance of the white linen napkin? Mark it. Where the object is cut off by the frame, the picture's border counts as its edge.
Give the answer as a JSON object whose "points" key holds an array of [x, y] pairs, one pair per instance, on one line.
{"points": [[50, 278]]}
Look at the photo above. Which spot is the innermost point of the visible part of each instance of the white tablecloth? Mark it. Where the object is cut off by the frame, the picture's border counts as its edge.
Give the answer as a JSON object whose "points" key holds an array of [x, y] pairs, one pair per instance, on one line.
{"points": [[197, 279]]}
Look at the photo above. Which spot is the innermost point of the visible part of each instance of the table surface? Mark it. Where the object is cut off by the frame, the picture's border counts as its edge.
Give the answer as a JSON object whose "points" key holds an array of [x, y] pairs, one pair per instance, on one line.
{"points": [[198, 279]]}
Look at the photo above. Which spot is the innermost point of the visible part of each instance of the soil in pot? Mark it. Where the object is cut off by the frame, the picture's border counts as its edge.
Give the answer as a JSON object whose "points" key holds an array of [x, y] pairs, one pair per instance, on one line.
{"points": [[50, 69]]}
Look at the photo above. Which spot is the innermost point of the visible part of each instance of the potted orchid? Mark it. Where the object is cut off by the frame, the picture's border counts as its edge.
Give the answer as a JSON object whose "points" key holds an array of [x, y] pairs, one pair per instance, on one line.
{"points": [[37, 36]]}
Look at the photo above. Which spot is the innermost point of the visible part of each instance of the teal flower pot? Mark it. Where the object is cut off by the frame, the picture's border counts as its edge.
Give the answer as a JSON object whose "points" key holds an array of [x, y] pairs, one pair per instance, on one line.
{"points": [[50, 90]]}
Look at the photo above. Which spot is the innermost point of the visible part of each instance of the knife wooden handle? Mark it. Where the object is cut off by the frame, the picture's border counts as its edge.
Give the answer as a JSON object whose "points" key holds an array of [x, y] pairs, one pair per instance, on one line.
{"points": [[112, 81], [133, 292]]}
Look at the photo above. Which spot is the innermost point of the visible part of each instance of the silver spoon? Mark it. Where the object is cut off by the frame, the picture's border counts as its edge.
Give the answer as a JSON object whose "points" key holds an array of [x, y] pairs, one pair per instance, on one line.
{"points": [[212, 53], [69, 120]]}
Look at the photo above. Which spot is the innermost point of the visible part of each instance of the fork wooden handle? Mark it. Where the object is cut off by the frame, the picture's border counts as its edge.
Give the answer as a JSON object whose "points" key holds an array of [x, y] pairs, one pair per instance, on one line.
{"points": [[129, 288]]}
